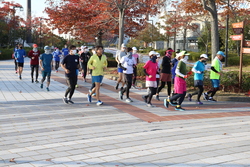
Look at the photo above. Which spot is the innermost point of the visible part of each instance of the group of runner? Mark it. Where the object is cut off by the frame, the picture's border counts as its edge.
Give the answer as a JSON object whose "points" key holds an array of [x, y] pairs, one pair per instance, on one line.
{"points": [[167, 71], [159, 72]]}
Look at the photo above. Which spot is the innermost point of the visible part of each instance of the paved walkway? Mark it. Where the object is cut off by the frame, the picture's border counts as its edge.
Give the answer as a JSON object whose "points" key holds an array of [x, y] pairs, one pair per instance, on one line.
{"points": [[38, 129]]}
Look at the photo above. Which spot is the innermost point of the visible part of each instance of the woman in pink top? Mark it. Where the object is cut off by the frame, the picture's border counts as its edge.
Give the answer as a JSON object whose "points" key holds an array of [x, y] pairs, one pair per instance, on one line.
{"points": [[150, 69]]}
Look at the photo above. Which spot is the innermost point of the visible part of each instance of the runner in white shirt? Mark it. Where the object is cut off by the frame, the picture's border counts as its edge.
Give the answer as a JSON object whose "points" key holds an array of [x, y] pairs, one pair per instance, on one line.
{"points": [[128, 62]]}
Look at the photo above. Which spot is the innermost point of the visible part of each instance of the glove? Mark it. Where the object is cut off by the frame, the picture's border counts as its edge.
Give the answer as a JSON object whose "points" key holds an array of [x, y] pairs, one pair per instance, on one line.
{"points": [[185, 76]]}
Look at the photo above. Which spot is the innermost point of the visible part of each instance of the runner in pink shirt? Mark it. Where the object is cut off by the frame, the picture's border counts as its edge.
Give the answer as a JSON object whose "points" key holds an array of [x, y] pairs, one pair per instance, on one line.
{"points": [[150, 69]]}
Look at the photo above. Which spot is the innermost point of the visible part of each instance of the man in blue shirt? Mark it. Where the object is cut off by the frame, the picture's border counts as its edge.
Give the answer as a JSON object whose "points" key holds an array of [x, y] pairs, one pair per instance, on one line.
{"points": [[46, 64], [65, 51], [198, 69], [57, 54], [19, 57]]}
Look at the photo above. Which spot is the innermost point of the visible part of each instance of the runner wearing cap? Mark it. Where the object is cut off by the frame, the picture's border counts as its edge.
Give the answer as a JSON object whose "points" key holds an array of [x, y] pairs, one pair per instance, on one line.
{"points": [[136, 56], [34, 62], [215, 73], [198, 69], [179, 82], [150, 69], [46, 64], [118, 57]]}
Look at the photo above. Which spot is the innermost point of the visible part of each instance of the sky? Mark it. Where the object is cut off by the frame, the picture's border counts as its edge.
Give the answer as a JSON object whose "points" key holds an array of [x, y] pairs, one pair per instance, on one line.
{"points": [[37, 8]]}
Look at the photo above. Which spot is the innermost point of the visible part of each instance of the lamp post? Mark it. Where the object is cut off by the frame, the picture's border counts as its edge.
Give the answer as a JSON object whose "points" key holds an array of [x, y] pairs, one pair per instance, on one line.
{"points": [[152, 32], [174, 28], [14, 33]]}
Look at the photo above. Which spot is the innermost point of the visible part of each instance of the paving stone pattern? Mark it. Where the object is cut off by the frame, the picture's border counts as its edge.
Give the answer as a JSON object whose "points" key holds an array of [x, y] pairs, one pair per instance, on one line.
{"points": [[38, 129]]}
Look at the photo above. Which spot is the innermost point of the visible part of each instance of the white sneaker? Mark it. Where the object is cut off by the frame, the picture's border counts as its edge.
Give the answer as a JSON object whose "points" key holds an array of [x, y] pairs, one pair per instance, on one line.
{"points": [[128, 100], [99, 103], [150, 105]]}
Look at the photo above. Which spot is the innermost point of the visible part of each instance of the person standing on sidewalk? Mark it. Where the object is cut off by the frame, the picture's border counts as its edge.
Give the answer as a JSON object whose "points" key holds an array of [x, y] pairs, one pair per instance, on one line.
{"points": [[98, 63], [136, 57], [165, 75], [46, 64], [179, 83], [20, 54], [128, 62], [118, 57], [34, 62], [70, 64], [57, 54], [150, 69], [84, 58], [198, 69], [215, 74]]}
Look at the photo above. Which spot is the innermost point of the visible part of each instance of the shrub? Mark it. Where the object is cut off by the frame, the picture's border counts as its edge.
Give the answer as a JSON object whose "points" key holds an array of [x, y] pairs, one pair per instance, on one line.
{"points": [[111, 62], [6, 54]]}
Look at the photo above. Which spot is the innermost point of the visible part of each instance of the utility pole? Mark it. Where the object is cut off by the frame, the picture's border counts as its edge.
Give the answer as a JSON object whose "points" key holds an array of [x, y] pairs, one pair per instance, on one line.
{"points": [[28, 19]]}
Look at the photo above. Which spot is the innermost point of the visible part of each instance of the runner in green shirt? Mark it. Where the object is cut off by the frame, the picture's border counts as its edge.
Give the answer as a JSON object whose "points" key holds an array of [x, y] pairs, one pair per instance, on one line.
{"points": [[215, 73]]}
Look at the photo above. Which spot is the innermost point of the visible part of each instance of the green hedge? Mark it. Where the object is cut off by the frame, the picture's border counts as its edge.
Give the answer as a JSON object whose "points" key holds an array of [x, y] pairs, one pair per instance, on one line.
{"points": [[6, 54]]}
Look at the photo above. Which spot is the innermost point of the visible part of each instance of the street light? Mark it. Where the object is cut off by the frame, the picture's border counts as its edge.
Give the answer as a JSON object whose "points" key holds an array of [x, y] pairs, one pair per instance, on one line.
{"points": [[14, 33], [174, 28]]}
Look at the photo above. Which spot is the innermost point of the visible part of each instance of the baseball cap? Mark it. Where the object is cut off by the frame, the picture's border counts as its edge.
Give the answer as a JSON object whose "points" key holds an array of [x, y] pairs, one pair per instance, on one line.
{"points": [[221, 53], [182, 53], [46, 48], [123, 45], [34, 45], [204, 56], [158, 54], [134, 48], [152, 53]]}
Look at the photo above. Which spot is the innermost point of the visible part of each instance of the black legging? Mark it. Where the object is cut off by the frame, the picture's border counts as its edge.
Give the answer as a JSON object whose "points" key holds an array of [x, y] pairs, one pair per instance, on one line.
{"points": [[152, 92], [135, 75], [84, 68], [128, 81], [163, 85], [213, 91], [57, 65], [71, 81], [181, 98], [33, 68], [198, 92]]}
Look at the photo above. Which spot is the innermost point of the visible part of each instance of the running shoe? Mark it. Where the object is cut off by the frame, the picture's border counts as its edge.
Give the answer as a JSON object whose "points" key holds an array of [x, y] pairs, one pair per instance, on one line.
{"points": [[198, 102], [70, 101], [41, 86], [20, 77], [128, 100], [150, 105], [94, 94], [116, 87], [89, 98], [65, 100], [120, 95], [99, 103], [32, 80], [145, 99], [47, 88], [37, 81], [205, 96], [212, 99], [166, 103], [179, 109], [157, 98], [189, 96]]}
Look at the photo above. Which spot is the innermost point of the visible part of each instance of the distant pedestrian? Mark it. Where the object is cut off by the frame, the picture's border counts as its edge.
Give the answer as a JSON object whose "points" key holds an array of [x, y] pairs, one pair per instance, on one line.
{"points": [[57, 55], [98, 63], [15, 61], [65, 51], [150, 69], [215, 74], [70, 64], [128, 62], [118, 57], [46, 63], [136, 56], [20, 54], [198, 69], [179, 83], [84, 58], [34, 55]]}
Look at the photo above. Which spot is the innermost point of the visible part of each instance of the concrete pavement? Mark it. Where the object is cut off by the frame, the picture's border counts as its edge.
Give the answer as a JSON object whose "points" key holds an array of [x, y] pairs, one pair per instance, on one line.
{"points": [[38, 129]]}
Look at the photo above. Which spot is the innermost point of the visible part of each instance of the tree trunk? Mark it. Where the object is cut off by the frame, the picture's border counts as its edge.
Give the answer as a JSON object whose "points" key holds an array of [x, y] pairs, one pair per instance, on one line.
{"points": [[184, 38], [99, 38], [121, 27], [214, 29]]}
